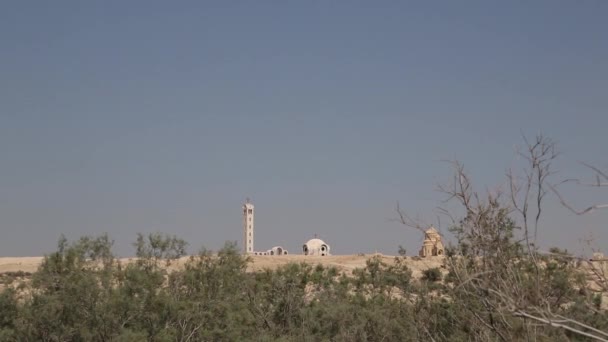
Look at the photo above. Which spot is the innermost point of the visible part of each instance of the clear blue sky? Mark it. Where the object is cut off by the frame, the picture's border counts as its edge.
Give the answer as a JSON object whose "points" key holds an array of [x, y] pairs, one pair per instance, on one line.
{"points": [[140, 116]]}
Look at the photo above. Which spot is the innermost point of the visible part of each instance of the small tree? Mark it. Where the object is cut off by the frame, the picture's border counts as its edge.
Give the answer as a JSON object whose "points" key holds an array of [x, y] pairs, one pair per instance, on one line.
{"points": [[432, 274], [159, 247]]}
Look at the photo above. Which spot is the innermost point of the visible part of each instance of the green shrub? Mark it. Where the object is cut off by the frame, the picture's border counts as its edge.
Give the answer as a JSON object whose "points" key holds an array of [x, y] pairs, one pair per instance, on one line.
{"points": [[432, 274]]}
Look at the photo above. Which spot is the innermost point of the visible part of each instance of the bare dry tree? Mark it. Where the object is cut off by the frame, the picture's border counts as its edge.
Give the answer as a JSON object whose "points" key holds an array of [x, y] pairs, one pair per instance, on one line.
{"points": [[492, 278], [532, 186], [496, 280]]}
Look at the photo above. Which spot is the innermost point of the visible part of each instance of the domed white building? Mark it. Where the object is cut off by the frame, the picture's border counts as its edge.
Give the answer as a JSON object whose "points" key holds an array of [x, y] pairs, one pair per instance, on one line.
{"points": [[316, 247], [277, 250]]}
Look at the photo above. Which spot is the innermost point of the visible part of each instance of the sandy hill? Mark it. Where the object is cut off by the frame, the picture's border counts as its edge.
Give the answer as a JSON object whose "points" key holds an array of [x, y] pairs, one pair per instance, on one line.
{"points": [[345, 263]]}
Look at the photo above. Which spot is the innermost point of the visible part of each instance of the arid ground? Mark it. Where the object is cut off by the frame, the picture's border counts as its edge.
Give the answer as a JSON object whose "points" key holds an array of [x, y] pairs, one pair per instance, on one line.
{"points": [[345, 263]]}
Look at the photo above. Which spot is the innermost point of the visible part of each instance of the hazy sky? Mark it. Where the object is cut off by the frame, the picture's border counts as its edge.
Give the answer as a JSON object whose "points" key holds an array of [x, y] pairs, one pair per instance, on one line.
{"points": [[141, 116]]}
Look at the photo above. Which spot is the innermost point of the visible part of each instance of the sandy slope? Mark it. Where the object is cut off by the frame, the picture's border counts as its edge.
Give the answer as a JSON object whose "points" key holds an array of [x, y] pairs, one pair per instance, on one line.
{"points": [[345, 263], [342, 262], [25, 264]]}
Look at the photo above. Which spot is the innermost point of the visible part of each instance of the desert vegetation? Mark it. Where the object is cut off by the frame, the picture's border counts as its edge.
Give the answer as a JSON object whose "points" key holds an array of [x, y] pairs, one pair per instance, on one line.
{"points": [[81, 292]]}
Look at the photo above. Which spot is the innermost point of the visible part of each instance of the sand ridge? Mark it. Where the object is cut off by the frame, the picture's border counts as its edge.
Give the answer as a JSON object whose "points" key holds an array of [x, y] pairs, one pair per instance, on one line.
{"points": [[345, 263]]}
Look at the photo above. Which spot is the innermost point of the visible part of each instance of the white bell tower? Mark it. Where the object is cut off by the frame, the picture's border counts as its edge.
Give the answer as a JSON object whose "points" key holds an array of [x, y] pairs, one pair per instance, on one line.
{"points": [[248, 227]]}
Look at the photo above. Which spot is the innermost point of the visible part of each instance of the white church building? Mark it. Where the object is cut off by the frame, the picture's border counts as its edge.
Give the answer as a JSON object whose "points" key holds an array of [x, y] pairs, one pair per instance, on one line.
{"points": [[314, 247], [248, 233]]}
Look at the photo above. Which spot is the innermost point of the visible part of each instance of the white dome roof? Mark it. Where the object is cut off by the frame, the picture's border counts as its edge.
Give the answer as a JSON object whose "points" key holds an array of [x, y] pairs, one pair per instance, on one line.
{"points": [[315, 243], [316, 247]]}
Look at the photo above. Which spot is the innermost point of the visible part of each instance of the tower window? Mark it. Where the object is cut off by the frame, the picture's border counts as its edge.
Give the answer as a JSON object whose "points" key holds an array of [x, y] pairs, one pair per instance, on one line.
{"points": [[249, 226], [250, 241], [250, 211], [249, 218]]}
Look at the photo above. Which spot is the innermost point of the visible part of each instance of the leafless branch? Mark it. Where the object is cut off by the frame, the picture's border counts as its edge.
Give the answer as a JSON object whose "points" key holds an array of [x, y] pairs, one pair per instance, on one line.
{"points": [[558, 324], [577, 212], [406, 220], [597, 171], [599, 174]]}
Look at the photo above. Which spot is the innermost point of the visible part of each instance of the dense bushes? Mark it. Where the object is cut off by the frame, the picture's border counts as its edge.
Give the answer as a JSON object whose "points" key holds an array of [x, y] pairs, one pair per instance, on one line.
{"points": [[81, 293]]}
